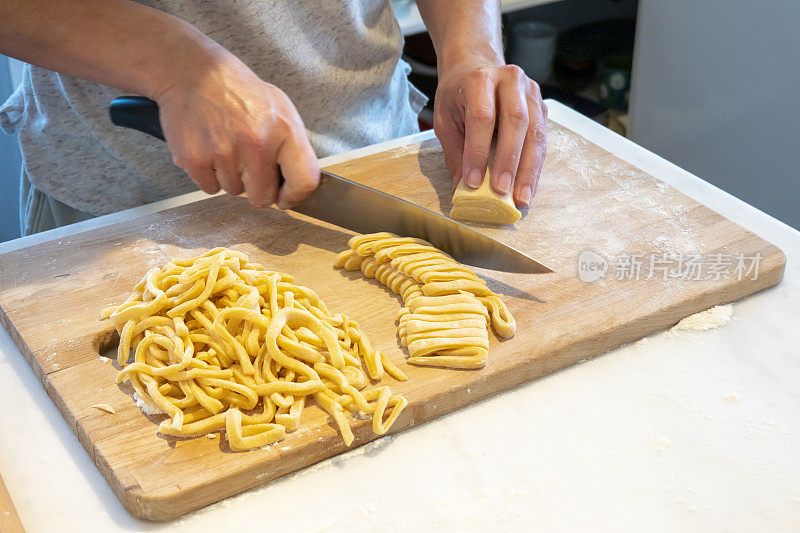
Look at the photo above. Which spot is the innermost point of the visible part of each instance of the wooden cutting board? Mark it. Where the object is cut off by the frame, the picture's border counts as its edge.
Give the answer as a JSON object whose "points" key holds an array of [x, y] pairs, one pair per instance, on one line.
{"points": [[588, 201], [9, 519]]}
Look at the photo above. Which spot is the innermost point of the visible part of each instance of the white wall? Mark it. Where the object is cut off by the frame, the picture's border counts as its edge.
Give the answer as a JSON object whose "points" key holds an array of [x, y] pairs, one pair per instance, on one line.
{"points": [[715, 90]]}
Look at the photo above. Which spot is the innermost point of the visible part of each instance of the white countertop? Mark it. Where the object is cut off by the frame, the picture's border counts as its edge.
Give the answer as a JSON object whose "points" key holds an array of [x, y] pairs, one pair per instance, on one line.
{"points": [[410, 20], [690, 431]]}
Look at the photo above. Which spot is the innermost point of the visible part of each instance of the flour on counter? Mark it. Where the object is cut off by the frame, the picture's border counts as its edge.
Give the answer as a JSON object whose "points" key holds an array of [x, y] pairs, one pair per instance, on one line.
{"points": [[146, 407], [715, 317], [730, 397], [659, 443]]}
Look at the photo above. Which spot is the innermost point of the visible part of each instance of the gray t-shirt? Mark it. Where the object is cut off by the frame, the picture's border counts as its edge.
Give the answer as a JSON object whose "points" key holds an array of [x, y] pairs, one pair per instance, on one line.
{"points": [[339, 62]]}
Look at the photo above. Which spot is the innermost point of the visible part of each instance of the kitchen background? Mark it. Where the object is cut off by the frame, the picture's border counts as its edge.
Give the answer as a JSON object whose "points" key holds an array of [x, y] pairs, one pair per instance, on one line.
{"points": [[708, 85]]}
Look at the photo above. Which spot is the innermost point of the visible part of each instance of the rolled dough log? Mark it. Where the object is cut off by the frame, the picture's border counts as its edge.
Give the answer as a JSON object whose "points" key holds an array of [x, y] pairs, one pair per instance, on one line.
{"points": [[483, 204]]}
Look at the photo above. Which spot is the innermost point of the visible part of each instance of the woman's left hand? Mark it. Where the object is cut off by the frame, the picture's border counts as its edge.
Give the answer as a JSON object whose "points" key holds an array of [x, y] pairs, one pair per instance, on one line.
{"points": [[473, 101]]}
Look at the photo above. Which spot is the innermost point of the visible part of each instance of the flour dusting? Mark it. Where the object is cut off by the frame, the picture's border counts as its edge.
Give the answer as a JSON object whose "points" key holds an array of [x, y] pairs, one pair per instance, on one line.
{"points": [[730, 397], [571, 150], [715, 317], [415, 149], [659, 443], [146, 407], [606, 197]]}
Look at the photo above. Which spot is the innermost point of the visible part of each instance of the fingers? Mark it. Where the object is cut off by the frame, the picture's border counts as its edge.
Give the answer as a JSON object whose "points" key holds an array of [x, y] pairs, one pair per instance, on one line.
{"points": [[299, 167], [239, 147], [513, 115], [260, 177], [300, 170], [475, 103], [226, 168], [198, 165], [451, 137], [253, 167], [479, 120], [201, 171], [534, 150]]}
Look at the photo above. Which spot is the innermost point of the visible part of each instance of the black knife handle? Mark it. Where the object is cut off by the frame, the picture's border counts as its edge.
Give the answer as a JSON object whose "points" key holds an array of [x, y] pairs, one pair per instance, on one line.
{"points": [[138, 113]]}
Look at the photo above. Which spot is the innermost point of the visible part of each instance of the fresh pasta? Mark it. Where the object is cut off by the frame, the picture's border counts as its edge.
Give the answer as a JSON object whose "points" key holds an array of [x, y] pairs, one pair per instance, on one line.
{"points": [[220, 343], [483, 205], [447, 307]]}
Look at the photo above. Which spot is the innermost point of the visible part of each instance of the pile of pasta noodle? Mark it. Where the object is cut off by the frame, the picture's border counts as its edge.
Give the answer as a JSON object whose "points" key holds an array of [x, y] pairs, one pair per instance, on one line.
{"points": [[447, 307], [222, 343]]}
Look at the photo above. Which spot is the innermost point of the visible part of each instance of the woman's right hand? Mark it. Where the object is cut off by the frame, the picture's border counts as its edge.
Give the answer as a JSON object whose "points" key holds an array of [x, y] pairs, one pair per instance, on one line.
{"points": [[230, 130], [224, 125]]}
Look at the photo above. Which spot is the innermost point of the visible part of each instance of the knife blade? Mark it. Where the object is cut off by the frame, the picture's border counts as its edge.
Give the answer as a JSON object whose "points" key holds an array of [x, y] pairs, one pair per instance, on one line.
{"points": [[363, 209]]}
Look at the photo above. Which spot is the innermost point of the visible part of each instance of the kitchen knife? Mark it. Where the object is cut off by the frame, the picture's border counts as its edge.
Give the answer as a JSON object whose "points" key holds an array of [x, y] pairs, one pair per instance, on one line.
{"points": [[363, 209]]}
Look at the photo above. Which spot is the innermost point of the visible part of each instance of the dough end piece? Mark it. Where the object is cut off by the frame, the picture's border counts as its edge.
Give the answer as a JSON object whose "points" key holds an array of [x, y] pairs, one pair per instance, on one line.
{"points": [[483, 205], [104, 407]]}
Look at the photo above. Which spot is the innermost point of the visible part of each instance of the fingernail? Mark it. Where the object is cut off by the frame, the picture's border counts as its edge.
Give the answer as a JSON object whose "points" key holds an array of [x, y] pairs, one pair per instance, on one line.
{"points": [[525, 195], [474, 178], [505, 182]]}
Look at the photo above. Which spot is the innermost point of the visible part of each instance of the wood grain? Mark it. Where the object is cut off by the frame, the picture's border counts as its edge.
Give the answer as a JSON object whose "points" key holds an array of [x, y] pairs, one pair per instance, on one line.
{"points": [[51, 294], [9, 519]]}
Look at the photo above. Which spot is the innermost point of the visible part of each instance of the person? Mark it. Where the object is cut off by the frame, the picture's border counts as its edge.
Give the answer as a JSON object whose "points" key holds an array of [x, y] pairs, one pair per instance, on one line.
{"points": [[245, 88]]}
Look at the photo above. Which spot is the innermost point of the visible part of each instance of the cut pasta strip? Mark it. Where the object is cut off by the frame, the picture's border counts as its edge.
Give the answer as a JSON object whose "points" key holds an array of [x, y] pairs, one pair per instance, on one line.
{"points": [[447, 307]]}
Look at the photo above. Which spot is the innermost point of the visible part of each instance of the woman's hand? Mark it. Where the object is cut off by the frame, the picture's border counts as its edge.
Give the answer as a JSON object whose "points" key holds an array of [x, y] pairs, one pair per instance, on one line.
{"points": [[230, 130], [478, 98]]}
